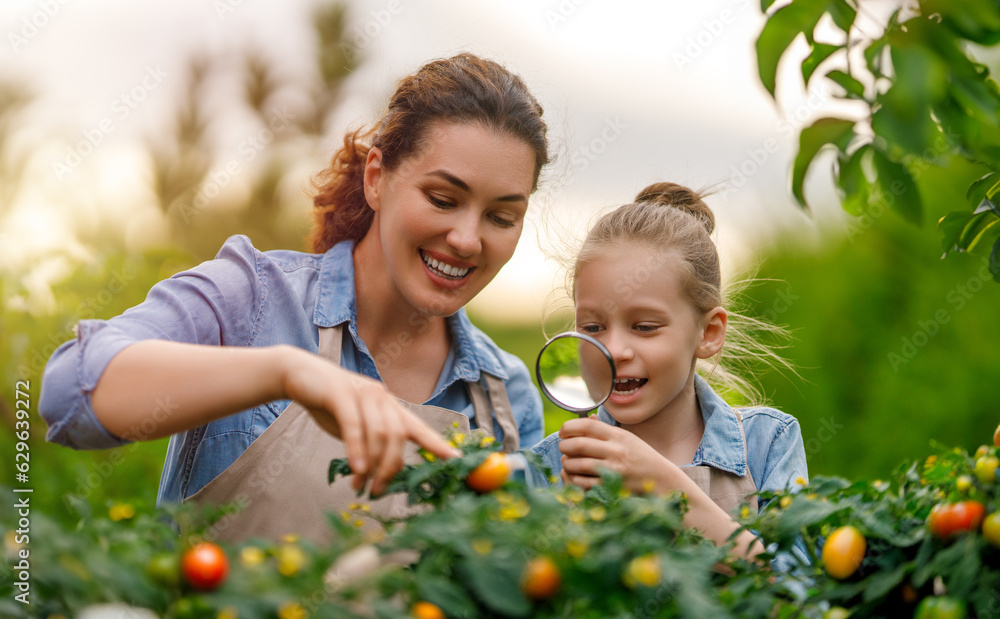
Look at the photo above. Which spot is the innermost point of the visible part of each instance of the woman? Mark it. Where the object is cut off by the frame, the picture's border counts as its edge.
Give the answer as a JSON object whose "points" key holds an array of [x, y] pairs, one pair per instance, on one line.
{"points": [[414, 218]]}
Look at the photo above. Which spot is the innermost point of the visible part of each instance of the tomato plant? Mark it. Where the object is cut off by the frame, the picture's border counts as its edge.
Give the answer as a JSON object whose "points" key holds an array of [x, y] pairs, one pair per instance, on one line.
{"points": [[204, 566]]}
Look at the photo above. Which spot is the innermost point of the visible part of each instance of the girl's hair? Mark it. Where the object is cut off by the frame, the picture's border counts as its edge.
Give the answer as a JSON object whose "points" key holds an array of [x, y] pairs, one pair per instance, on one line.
{"points": [[672, 219], [463, 89]]}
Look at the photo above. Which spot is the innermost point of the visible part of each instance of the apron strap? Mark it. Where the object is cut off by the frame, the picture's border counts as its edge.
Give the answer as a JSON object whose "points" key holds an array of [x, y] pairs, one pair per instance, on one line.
{"points": [[331, 341], [492, 400]]}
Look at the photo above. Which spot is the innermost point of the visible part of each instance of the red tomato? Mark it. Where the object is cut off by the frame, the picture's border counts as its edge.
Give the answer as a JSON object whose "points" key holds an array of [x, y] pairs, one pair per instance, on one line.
{"points": [[205, 566], [947, 519]]}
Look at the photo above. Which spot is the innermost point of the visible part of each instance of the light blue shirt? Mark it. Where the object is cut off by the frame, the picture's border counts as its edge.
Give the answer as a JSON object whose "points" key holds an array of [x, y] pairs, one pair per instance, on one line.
{"points": [[250, 298], [775, 455]]}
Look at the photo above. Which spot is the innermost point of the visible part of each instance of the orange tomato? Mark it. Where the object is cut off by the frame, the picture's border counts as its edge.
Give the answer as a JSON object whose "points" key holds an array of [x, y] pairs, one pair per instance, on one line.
{"points": [[489, 475], [996, 436], [426, 610], [843, 552], [204, 566], [541, 579]]}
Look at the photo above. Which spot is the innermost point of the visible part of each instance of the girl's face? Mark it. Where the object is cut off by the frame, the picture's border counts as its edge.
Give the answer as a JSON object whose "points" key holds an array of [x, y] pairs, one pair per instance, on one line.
{"points": [[631, 300], [449, 216]]}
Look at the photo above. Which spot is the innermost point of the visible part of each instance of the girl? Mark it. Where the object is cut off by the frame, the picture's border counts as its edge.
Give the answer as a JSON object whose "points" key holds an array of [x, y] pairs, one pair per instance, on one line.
{"points": [[414, 218], [647, 285]]}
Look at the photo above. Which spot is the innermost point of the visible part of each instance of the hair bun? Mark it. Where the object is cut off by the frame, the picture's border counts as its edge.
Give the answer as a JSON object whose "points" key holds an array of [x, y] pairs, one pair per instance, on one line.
{"points": [[679, 197]]}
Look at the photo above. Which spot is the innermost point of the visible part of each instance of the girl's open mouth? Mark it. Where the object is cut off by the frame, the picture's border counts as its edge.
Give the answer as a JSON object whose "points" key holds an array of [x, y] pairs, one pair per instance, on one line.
{"points": [[628, 386]]}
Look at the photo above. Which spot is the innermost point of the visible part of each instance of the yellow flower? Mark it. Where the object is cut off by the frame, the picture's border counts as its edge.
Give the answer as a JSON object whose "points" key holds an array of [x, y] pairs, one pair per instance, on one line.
{"points": [[482, 546], [291, 559], [251, 556], [428, 456], [514, 509], [931, 459], [744, 512], [358, 523], [785, 502], [576, 548], [486, 441], [577, 517], [648, 485], [292, 610], [597, 513], [354, 506], [121, 511], [290, 538], [574, 494], [624, 493], [228, 612], [458, 438], [800, 481]]}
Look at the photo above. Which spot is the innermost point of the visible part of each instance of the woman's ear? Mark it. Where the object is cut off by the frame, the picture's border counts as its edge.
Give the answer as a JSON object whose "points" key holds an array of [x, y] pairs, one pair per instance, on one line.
{"points": [[713, 333], [373, 174]]}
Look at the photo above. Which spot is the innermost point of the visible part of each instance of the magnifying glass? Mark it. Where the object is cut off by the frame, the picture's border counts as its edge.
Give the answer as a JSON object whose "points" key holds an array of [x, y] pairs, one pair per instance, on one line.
{"points": [[575, 372]]}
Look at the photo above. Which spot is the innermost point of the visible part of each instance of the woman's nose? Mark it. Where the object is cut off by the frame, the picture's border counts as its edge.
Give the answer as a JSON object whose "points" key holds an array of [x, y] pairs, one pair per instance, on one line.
{"points": [[464, 235]]}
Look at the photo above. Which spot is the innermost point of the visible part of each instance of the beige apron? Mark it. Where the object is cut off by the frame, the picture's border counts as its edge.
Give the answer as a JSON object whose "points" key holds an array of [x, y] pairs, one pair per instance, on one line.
{"points": [[726, 489], [280, 481]]}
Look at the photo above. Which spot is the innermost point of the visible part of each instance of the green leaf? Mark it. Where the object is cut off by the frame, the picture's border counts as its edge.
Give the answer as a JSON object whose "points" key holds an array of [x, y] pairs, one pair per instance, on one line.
{"points": [[853, 88], [448, 595], [843, 14], [765, 5], [950, 227], [986, 187], [819, 53], [852, 184], [822, 132], [781, 28], [495, 580], [897, 187]]}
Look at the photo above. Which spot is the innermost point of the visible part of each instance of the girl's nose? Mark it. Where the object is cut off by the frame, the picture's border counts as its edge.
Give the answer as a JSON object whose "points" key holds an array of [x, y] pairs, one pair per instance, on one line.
{"points": [[464, 235], [618, 345]]}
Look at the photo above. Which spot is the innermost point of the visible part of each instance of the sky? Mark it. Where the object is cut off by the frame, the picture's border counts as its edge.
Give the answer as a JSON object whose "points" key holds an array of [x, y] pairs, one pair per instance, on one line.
{"points": [[635, 92]]}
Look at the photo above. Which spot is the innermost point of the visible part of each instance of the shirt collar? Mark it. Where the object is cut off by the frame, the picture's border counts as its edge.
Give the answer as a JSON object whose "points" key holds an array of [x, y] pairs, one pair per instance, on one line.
{"points": [[336, 303], [723, 445]]}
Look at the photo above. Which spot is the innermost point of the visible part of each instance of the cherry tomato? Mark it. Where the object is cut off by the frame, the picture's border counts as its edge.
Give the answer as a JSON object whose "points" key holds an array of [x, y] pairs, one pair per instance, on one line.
{"points": [[426, 610], [165, 569], [489, 475], [843, 552], [541, 579], [204, 566], [996, 436], [947, 519], [986, 469], [940, 607], [991, 529]]}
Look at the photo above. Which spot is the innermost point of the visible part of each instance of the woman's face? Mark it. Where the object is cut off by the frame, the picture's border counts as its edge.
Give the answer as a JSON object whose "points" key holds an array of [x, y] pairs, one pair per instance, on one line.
{"points": [[449, 216]]}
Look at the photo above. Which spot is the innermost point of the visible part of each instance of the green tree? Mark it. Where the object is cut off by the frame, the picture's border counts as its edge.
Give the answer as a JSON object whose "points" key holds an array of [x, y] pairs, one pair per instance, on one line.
{"points": [[927, 100]]}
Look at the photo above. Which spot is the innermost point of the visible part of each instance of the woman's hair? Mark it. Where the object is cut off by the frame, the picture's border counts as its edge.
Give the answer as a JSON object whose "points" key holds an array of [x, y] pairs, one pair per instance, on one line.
{"points": [[462, 89], [673, 220]]}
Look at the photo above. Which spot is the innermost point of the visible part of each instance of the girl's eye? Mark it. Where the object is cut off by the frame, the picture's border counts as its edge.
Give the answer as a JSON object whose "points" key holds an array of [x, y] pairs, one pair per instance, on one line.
{"points": [[590, 328], [645, 328]]}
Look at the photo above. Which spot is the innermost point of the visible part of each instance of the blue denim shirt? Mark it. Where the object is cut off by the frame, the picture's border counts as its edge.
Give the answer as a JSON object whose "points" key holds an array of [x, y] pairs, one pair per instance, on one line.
{"points": [[775, 455], [250, 298]]}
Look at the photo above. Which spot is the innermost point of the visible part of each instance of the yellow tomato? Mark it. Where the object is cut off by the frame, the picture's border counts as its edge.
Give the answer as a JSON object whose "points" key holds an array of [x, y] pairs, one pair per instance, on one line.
{"points": [[843, 552], [986, 469], [991, 529]]}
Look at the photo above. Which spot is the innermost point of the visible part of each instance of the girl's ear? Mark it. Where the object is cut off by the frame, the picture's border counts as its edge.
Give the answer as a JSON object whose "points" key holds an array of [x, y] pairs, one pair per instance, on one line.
{"points": [[373, 174], [713, 334]]}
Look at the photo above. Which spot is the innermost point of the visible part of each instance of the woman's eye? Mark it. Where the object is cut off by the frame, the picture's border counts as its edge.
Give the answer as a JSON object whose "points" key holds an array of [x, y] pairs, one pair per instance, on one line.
{"points": [[503, 222], [440, 202]]}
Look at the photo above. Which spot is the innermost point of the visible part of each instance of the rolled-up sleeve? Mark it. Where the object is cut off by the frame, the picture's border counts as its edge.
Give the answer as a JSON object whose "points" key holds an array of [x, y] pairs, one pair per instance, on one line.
{"points": [[215, 303]]}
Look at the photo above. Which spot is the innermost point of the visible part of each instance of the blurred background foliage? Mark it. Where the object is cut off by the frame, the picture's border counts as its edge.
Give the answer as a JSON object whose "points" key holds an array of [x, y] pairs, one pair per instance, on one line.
{"points": [[895, 347]]}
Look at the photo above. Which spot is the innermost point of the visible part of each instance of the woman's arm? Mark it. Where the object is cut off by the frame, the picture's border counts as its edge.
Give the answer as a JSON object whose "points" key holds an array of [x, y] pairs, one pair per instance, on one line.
{"points": [[154, 388]]}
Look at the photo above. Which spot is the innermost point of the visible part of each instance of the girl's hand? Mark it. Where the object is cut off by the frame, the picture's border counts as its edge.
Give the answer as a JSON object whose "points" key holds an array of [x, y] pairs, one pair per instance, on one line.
{"points": [[589, 444], [360, 411]]}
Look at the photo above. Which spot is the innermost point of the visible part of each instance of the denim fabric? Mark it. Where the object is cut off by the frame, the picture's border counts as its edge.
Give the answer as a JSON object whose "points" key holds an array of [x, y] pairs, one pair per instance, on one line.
{"points": [[250, 298], [775, 455]]}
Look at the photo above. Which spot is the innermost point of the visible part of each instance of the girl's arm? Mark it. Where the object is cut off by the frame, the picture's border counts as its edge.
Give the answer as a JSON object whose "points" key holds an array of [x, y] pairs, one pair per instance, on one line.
{"points": [[155, 388], [589, 444]]}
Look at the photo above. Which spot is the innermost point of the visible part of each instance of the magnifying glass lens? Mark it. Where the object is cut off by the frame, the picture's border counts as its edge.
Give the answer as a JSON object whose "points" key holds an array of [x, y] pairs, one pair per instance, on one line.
{"points": [[575, 372]]}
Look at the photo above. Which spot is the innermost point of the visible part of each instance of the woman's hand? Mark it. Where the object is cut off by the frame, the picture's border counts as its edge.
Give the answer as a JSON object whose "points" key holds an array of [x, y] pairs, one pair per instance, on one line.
{"points": [[361, 412], [589, 444]]}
